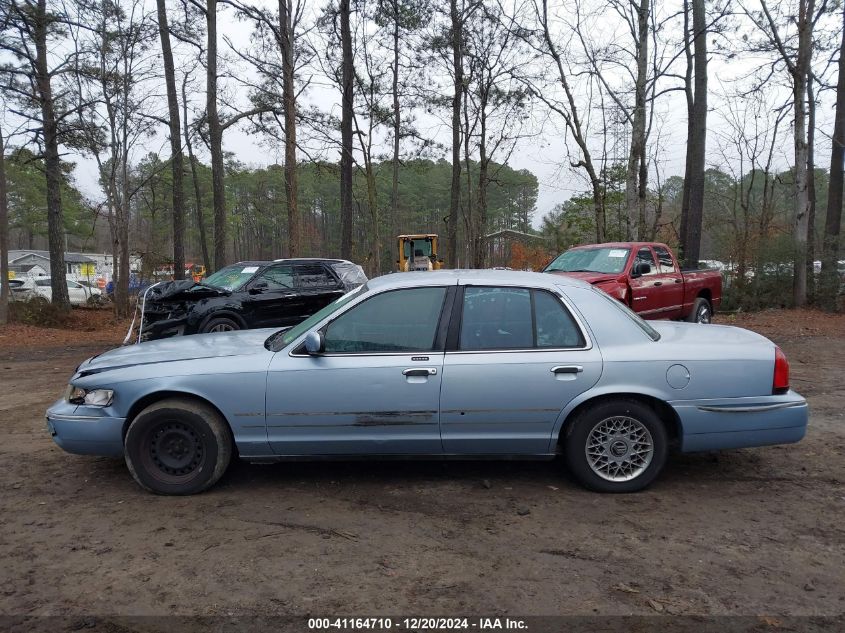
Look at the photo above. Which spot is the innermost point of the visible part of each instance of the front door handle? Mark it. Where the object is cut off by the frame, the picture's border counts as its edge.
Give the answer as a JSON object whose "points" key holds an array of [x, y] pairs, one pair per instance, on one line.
{"points": [[420, 371], [567, 369], [658, 283]]}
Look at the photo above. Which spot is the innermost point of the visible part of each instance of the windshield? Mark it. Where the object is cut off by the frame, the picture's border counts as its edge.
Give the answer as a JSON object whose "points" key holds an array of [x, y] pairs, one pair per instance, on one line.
{"points": [[231, 277], [591, 260], [285, 337]]}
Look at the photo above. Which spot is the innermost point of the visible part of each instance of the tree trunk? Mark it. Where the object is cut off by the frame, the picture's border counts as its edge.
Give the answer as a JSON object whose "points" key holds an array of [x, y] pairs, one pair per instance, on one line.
{"points": [[347, 71], [397, 125], [215, 136], [52, 163], [289, 106], [638, 126], [206, 258], [175, 144], [833, 219], [4, 237], [802, 199], [455, 190], [811, 190], [693, 193]]}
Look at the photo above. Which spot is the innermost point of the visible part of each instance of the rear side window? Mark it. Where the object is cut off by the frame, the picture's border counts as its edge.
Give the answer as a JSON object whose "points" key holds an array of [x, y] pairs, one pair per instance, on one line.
{"points": [[312, 276], [394, 321], [515, 318], [664, 259]]}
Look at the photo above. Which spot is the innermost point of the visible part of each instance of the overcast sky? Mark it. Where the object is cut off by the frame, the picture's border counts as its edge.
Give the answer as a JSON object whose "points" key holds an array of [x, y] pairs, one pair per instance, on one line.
{"points": [[544, 153]]}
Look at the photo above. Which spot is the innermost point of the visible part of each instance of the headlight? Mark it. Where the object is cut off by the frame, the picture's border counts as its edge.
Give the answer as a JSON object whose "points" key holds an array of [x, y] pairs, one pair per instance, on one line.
{"points": [[91, 397]]}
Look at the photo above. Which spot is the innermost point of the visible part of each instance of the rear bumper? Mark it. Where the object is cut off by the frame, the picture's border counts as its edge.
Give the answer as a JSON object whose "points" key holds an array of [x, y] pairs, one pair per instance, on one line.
{"points": [[80, 430], [741, 422]]}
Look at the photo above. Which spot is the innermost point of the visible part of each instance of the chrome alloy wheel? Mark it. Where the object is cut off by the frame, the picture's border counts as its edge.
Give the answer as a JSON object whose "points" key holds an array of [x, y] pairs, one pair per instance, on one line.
{"points": [[703, 315], [619, 448]]}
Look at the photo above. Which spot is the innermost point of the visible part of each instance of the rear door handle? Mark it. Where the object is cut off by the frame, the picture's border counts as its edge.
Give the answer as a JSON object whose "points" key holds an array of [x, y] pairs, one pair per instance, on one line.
{"points": [[420, 371], [567, 369], [658, 283], [677, 281]]}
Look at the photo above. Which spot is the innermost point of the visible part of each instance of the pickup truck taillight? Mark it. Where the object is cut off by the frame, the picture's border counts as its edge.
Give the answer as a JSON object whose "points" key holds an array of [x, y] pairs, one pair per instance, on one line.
{"points": [[780, 383]]}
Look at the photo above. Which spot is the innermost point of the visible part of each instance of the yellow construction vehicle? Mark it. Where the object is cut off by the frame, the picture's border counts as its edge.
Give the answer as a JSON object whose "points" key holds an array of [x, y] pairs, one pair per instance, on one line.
{"points": [[418, 252]]}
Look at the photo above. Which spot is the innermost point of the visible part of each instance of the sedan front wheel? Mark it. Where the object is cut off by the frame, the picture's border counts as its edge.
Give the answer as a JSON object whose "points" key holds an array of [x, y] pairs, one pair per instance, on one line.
{"points": [[616, 446], [178, 446]]}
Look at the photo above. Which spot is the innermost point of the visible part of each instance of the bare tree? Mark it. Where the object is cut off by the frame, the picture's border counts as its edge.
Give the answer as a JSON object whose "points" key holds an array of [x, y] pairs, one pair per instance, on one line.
{"points": [[833, 217], [456, 17], [175, 143], [28, 27], [215, 136], [696, 95], [795, 54], [4, 237], [347, 113]]}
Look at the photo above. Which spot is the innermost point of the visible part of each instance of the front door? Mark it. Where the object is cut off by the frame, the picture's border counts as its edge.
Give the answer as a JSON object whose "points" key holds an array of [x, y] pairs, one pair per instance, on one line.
{"points": [[272, 299], [645, 289], [375, 390], [518, 359]]}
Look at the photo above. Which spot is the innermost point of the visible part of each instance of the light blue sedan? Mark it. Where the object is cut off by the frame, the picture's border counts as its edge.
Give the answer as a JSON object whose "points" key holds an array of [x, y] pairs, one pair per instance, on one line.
{"points": [[443, 364]]}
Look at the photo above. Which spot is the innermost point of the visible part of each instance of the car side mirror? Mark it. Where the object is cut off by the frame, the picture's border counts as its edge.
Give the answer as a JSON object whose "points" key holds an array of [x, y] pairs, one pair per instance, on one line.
{"points": [[315, 343], [640, 269], [258, 287]]}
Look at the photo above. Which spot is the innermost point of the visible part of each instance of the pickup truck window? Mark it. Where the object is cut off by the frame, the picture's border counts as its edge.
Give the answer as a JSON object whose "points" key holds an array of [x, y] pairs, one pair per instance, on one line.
{"points": [[644, 256], [665, 261], [591, 260]]}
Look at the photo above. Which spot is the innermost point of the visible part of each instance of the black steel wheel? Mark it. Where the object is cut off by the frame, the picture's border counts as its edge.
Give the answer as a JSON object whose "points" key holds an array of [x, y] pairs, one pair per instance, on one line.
{"points": [[178, 446]]}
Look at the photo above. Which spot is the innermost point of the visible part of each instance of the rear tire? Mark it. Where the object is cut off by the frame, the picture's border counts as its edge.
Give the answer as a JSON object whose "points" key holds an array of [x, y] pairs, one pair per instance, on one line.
{"points": [[220, 324], [178, 446], [616, 446], [702, 311]]}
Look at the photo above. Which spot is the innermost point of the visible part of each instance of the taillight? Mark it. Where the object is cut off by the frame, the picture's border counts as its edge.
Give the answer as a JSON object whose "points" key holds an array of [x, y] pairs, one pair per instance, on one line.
{"points": [[780, 383]]}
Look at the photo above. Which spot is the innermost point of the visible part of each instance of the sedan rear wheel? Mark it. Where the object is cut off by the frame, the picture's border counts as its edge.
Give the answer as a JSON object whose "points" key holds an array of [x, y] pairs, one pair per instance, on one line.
{"points": [[178, 447], [616, 446]]}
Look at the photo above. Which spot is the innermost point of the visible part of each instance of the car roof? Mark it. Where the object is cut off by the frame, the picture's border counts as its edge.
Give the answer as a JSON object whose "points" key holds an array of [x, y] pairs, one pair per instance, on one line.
{"points": [[315, 260], [486, 277]]}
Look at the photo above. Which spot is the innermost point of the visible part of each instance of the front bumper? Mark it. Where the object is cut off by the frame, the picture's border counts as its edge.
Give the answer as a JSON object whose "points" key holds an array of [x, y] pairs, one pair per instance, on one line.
{"points": [[709, 425], [85, 430]]}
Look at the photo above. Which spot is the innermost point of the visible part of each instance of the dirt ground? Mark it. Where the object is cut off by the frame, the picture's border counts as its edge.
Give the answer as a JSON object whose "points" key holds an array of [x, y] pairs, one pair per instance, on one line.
{"points": [[746, 532]]}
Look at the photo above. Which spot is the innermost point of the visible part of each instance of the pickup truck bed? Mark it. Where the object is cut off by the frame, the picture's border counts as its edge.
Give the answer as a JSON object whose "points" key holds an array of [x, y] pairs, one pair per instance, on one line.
{"points": [[646, 277]]}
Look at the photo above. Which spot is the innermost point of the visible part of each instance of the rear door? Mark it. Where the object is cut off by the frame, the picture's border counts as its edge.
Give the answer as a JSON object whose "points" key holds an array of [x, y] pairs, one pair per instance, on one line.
{"points": [[317, 287], [515, 358]]}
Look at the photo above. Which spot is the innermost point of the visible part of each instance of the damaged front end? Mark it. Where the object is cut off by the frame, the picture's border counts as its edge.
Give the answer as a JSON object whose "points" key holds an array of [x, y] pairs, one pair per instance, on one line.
{"points": [[167, 308]]}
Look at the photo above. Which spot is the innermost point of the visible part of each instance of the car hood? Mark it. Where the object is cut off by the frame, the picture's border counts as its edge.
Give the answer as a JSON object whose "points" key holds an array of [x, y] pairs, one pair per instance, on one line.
{"points": [[590, 278], [179, 348]]}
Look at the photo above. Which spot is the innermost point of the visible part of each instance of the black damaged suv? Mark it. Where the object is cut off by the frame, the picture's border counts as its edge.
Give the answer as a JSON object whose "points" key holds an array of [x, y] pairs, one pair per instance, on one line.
{"points": [[247, 295]]}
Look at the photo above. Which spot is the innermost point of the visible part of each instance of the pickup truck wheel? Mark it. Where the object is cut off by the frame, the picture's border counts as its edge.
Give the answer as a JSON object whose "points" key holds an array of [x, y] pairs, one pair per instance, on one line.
{"points": [[616, 446], [177, 447], [701, 311], [220, 324]]}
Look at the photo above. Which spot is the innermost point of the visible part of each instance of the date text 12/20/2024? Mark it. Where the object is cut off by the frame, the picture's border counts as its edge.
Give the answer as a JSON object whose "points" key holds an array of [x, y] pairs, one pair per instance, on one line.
{"points": [[418, 624]]}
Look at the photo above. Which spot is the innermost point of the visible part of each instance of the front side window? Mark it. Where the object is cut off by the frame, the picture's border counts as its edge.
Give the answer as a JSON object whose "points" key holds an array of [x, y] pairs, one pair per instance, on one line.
{"points": [[644, 256], [394, 321], [664, 258], [516, 318]]}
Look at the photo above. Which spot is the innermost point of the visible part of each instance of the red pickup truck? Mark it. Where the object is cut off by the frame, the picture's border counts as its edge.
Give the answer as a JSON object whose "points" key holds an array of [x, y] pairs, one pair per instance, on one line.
{"points": [[646, 277]]}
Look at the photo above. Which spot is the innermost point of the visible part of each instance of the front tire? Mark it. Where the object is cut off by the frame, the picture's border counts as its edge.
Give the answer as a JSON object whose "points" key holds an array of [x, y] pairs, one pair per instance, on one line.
{"points": [[616, 446], [178, 446]]}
